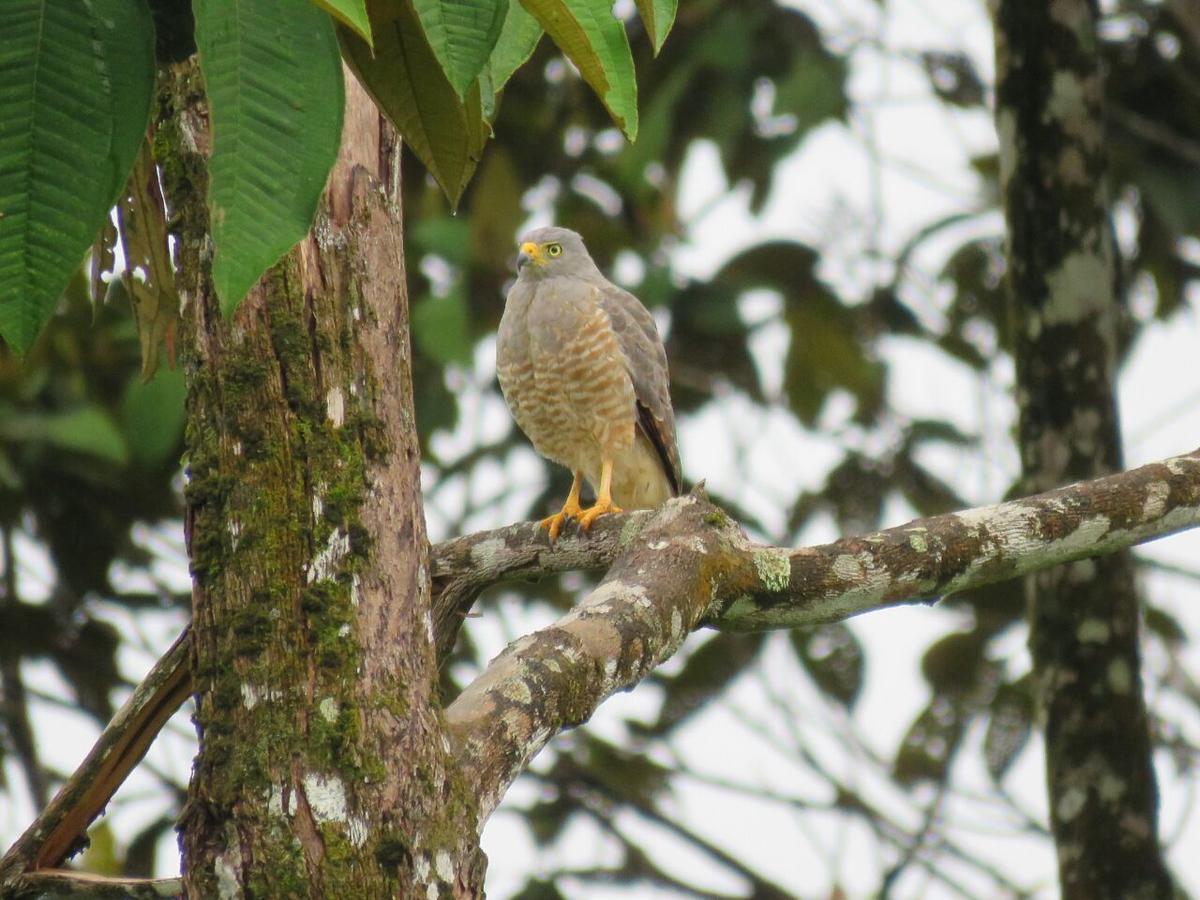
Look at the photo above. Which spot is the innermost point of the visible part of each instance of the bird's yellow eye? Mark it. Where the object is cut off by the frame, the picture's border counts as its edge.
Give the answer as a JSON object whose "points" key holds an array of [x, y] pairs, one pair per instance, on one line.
{"points": [[554, 249]]}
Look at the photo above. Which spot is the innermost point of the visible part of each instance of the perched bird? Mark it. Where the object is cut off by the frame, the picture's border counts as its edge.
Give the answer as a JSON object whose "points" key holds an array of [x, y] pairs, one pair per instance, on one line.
{"points": [[584, 373]]}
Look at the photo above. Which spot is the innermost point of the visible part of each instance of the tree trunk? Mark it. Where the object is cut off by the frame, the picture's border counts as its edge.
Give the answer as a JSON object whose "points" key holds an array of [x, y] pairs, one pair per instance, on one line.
{"points": [[1084, 616], [324, 767]]}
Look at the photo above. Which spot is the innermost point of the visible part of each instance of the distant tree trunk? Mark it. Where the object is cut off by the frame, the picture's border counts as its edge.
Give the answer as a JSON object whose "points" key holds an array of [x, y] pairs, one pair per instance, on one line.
{"points": [[1084, 616], [324, 769]]}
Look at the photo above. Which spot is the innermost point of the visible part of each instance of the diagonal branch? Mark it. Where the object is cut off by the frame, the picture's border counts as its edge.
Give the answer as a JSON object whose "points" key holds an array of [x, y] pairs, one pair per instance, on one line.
{"points": [[689, 565], [61, 825], [63, 884], [941, 555]]}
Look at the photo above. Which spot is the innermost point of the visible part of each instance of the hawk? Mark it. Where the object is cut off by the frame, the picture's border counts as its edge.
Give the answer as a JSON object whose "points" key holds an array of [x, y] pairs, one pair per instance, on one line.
{"points": [[583, 370]]}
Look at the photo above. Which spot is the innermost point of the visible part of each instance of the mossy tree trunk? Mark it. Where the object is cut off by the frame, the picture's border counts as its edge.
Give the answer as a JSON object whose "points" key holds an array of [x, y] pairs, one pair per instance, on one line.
{"points": [[324, 769], [1084, 616]]}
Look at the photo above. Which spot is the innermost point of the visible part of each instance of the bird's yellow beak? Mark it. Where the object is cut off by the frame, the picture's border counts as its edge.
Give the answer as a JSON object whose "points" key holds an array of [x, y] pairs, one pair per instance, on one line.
{"points": [[530, 252]]}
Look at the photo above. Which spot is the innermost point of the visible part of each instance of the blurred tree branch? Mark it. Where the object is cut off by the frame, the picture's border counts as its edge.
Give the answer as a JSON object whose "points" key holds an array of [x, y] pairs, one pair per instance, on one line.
{"points": [[64, 884], [58, 829]]}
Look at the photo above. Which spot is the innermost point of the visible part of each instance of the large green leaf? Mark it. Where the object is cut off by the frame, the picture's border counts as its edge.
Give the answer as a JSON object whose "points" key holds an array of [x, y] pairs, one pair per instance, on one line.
{"points": [[461, 34], [76, 81], [658, 16], [442, 328], [518, 39], [274, 83], [88, 430], [152, 413], [595, 41], [352, 13], [402, 75], [827, 352]]}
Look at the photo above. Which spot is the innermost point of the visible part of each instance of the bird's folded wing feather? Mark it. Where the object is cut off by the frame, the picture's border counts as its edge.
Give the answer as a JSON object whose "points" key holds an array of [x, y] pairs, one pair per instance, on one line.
{"points": [[647, 363]]}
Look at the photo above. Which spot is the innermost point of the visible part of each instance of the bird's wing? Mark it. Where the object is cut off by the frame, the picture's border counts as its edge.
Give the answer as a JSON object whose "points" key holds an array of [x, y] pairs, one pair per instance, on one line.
{"points": [[647, 365]]}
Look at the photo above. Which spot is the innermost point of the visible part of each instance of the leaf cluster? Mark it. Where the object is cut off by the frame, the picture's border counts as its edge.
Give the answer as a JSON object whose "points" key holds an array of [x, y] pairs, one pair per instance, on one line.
{"points": [[79, 79]]}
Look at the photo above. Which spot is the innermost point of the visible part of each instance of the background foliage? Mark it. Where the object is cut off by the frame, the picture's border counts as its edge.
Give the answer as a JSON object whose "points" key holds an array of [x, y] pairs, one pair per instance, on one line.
{"points": [[791, 351]]}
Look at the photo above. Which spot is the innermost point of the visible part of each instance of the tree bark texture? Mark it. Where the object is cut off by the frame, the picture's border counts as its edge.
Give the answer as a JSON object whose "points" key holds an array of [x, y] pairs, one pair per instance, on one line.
{"points": [[1062, 276], [324, 769]]}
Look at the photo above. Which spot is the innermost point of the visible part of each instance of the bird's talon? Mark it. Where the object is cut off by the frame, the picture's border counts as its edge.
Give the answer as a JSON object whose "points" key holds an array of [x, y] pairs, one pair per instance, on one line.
{"points": [[553, 524], [592, 513]]}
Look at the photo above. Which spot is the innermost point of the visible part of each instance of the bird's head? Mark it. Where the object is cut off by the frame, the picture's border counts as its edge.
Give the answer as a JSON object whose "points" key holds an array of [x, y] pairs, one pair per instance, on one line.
{"points": [[553, 251]]}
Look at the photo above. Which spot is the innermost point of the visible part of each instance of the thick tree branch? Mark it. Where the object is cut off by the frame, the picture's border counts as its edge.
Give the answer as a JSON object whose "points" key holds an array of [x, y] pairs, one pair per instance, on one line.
{"points": [[680, 567], [463, 567], [689, 565], [941, 555]]}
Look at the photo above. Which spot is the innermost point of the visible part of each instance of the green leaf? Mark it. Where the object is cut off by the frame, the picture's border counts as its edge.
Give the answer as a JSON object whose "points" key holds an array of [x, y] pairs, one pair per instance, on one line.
{"points": [[86, 429], [447, 236], [405, 80], [628, 775], [442, 328], [461, 34], [351, 13], [518, 39], [541, 888], [825, 354], [76, 81], [813, 90], [10, 475], [1165, 626], [658, 16], [955, 663], [152, 413], [101, 854], [595, 41], [496, 213], [274, 83]]}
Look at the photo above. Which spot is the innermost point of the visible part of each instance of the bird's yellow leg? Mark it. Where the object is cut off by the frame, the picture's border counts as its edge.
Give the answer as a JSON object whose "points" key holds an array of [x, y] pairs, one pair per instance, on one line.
{"points": [[604, 504], [571, 510]]}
